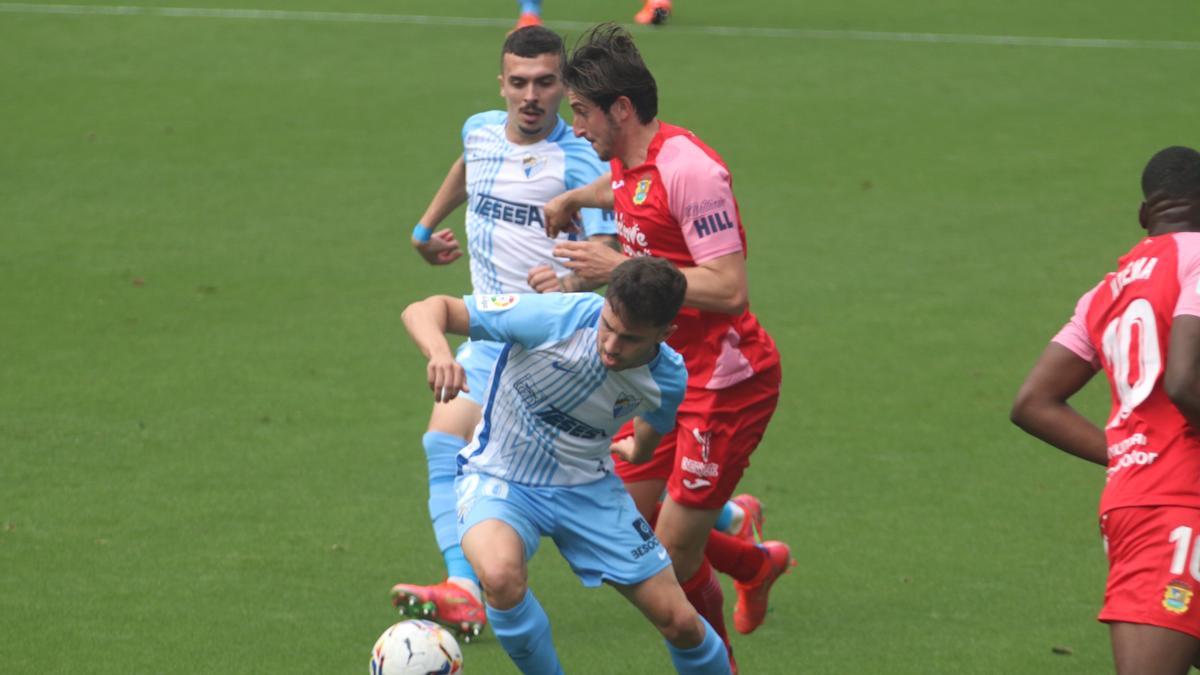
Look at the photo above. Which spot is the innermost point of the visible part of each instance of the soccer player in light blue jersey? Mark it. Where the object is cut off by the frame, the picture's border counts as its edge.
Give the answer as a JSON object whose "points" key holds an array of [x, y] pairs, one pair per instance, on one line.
{"points": [[574, 369], [513, 162]]}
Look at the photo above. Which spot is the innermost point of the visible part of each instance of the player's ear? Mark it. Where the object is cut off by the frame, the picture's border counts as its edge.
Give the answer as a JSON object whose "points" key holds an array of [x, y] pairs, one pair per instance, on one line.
{"points": [[668, 333], [1144, 216], [623, 108], [500, 79]]}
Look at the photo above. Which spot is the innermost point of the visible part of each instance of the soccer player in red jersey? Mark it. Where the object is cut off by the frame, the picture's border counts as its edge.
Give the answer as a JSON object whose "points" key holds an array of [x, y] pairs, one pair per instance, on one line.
{"points": [[673, 198], [1141, 324]]}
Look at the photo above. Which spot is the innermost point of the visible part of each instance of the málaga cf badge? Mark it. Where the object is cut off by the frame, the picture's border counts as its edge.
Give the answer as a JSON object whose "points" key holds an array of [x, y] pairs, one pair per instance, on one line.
{"points": [[532, 164], [642, 191], [625, 404]]}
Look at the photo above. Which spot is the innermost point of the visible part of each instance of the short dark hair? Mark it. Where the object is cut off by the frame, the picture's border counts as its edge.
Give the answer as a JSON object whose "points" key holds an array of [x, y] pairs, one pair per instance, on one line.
{"points": [[646, 290], [532, 41], [606, 65], [1172, 173]]}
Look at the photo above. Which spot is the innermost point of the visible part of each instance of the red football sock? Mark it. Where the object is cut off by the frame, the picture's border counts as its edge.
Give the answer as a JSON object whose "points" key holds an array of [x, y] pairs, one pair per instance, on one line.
{"points": [[704, 592], [736, 557]]}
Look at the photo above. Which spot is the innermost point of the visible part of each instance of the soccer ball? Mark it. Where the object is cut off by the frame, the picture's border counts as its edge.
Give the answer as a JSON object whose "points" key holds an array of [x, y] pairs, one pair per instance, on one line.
{"points": [[416, 648]]}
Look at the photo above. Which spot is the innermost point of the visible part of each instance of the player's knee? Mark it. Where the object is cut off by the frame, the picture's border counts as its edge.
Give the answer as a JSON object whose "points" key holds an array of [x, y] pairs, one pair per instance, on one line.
{"points": [[503, 581], [682, 627]]}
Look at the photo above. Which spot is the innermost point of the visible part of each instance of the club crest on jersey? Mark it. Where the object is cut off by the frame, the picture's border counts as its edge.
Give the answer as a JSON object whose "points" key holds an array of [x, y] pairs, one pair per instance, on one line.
{"points": [[496, 302], [641, 191], [531, 164], [1177, 597], [626, 403]]}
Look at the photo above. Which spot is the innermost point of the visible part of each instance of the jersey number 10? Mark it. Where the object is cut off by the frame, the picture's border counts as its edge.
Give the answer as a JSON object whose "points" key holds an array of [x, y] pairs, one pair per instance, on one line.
{"points": [[1129, 339]]}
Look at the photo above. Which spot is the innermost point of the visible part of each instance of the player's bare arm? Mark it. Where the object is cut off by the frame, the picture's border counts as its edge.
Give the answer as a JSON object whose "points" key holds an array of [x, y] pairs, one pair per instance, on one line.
{"points": [[427, 322], [544, 280], [442, 248], [1182, 376], [562, 212], [718, 285], [1041, 407]]}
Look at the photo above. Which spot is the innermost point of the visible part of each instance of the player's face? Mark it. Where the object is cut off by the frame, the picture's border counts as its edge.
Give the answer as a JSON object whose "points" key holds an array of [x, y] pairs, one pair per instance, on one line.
{"points": [[625, 345], [589, 121], [533, 89]]}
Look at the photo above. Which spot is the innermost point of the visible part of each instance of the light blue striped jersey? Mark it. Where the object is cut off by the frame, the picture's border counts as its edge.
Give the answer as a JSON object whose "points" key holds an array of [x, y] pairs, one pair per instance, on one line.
{"points": [[551, 407], [507, 186]]}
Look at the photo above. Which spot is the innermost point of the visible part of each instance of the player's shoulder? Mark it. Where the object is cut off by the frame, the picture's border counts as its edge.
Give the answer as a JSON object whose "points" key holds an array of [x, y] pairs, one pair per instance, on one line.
{"points": [[683, 153], [668, 367], [482, 120], [1187, 244]]}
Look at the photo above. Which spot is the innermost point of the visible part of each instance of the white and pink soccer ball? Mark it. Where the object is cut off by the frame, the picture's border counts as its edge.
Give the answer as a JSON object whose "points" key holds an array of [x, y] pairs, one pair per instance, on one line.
{"points": [[416, 648]]}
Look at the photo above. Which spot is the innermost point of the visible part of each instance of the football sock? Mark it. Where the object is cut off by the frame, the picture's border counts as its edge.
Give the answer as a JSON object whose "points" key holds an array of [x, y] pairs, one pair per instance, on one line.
{"points": [[736, 557], [530, 6], [707, 658], [704, 592], [441, 455], [737, 516], [524, 632], [725, 517]]}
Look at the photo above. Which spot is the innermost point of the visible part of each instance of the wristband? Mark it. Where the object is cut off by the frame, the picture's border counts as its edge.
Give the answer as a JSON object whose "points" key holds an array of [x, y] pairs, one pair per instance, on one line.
{"points": [[422, 233]]}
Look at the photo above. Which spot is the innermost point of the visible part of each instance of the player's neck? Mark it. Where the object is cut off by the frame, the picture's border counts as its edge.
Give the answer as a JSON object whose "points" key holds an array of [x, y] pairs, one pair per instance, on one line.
{"points": [[1172, 228], [637, 143]]}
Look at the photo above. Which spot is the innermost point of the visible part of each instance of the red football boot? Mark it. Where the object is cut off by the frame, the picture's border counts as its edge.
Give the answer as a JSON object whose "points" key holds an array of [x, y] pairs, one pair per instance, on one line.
{"points": [[446, 603], [751, 607]]}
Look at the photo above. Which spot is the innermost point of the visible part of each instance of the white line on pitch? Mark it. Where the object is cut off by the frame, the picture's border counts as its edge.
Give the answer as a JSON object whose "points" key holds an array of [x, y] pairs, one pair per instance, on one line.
{"points": [[730, 31]]}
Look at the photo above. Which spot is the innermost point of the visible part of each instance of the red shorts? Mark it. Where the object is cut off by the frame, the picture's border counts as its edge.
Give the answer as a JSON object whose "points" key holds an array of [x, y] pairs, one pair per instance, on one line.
{"points": [[703, 459], [1153, 567]]}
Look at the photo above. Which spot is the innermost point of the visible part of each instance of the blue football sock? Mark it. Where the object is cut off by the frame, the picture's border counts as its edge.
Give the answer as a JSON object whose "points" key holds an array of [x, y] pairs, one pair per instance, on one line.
{"points": [[524, 632], [707, 658], [530, 6], [724, 519], [441, 454]]}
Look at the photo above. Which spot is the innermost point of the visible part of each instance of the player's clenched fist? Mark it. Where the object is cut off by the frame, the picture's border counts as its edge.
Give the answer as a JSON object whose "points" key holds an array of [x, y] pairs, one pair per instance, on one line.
{"points": [[441, 249], [561, 214], [544, 280]]}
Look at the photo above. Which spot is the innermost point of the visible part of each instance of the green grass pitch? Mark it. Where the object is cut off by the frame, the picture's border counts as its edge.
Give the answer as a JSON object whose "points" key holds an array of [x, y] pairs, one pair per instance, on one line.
{"points": [[210, 414]]}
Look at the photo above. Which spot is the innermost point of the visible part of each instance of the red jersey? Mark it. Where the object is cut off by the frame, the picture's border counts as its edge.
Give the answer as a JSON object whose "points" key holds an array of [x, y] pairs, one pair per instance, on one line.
{"points": [[679, 205], [1124, 325]]}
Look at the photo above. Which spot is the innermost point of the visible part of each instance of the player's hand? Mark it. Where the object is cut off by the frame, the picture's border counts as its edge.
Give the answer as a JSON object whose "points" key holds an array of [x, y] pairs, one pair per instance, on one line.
{"points": [[446, 378], [543, 280], [589, 260], [441, 249], [624, 449], [561, 215]]}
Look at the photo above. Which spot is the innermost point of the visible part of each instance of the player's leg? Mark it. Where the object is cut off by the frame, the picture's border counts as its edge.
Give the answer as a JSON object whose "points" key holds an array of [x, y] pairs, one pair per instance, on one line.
{"points": [[500, 529], [450, 427], [1141, 649], [726, 427], [684, 533], [531, 13], [604, 539], [653, 12], [694, 646], [647, 495], [645, 483], [457, 602]]}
